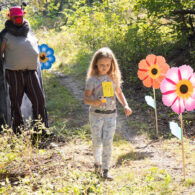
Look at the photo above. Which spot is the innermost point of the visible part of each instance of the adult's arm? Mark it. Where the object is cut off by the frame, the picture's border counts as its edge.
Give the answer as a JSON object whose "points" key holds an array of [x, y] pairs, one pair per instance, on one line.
{"points": [[2, 49]]}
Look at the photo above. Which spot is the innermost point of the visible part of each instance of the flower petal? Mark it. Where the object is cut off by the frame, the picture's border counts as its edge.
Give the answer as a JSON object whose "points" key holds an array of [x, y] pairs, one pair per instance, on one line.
{"points": [[151, 59], [169, 99], [167, 86], [156, 83], [147, 82], [192, 79], [49, 52], [172, 74], [186, 71], [193, 94], [189, 104], [164, 68], [143, 65], [161, 77], [178, 106], [47, 65], [43, 48], [142, 74], [42, 66], [51, 59], [160, 60]]}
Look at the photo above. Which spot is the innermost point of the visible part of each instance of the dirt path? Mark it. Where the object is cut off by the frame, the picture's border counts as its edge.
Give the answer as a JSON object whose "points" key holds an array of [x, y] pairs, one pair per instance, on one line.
{"points": [[154, 151]]}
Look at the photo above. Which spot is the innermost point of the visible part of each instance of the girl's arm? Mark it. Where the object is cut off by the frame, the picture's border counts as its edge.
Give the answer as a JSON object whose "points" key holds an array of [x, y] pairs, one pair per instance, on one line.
{"points": [[89, 101], [123, 101]]}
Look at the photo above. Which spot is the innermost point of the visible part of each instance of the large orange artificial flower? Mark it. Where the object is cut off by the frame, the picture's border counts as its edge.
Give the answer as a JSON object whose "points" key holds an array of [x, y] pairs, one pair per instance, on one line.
{"points": [[152, 70]]}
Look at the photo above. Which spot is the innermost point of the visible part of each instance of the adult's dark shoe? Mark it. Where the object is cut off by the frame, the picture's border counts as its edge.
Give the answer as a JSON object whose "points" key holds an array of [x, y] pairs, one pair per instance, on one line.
{"points": [[41, 138], [35, 138], [107, 176], [47, 134], [17, 130]]}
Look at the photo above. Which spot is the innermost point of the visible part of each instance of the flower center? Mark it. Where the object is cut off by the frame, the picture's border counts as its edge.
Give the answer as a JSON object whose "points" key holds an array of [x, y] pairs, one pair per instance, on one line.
{"points": [[154, 71], [43, 57], [184, 89]]}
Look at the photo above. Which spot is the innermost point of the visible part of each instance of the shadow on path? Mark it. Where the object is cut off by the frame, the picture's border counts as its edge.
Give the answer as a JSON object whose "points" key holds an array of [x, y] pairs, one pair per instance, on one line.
{"points": [[133, 156]]}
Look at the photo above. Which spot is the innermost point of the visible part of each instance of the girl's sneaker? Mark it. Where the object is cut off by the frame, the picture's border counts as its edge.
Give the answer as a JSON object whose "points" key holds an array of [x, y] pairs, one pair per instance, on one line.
{"points": [[106, 175], [98, 169]]}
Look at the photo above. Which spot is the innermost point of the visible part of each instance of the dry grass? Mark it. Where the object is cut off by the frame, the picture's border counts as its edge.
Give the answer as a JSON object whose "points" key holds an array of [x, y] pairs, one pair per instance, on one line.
{"points": [[65, 166]]}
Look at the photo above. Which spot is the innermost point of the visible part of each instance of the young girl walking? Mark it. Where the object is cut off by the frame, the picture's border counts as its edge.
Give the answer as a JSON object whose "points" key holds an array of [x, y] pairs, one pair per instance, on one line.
{"points": [[102, 85]]}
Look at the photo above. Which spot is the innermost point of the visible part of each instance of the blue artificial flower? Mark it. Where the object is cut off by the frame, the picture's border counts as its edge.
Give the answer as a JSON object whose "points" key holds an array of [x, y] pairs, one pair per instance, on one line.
{"points": [[46, 56]]}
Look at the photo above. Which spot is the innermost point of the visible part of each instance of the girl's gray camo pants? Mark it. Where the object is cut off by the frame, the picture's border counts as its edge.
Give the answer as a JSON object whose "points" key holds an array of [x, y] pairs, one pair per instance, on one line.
{"points": [[102, 130]]}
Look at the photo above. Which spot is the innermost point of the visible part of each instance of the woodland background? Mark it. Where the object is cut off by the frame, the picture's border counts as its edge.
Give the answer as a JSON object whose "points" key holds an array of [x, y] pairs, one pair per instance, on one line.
{"points": [[131, 28], [141, 164]]}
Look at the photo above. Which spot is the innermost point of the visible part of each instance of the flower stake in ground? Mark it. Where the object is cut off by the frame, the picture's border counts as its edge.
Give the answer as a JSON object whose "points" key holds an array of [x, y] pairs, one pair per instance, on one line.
{"points": [[152, 71], [46, 56], [178, 89]]}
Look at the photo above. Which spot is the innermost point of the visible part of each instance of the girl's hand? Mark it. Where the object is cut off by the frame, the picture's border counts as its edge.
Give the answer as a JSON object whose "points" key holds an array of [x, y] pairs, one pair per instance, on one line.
{"points": [[97, 102], [127, 110]]}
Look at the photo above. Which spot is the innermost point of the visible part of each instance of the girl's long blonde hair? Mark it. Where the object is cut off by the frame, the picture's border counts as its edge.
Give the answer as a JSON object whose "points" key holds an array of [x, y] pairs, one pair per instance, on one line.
{"points": [[114, 71]]}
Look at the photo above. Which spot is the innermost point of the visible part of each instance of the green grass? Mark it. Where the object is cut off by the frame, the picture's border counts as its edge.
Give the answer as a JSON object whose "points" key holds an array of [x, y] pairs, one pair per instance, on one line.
{"points": [[58, 171], [60, 103], [68, 168], [72, 56]]}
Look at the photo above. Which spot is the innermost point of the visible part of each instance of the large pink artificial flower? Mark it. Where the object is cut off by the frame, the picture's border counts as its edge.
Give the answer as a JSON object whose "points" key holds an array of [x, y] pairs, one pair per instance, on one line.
{"points": [[178, 89]]}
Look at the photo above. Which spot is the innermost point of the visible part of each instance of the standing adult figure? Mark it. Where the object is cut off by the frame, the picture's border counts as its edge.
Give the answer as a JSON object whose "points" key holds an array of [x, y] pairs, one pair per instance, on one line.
{"points": [[19, 49]]}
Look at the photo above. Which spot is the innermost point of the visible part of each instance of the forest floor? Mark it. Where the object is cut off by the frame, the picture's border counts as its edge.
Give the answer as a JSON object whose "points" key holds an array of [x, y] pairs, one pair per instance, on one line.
{"points": [[161, 153], [141, 163]]}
